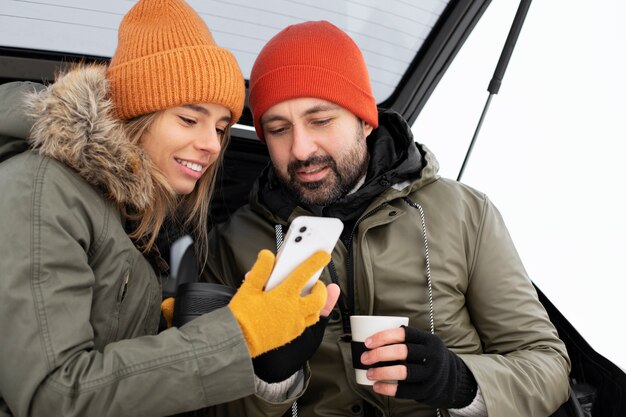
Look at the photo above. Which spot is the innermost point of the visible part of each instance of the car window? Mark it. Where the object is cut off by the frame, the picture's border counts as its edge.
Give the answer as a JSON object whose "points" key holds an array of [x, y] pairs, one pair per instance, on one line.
{"points": [[389, 34]]}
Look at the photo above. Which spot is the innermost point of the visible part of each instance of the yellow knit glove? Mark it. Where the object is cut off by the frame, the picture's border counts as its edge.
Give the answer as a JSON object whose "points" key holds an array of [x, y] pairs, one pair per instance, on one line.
{"points": [[167, 308], [270, 319]]}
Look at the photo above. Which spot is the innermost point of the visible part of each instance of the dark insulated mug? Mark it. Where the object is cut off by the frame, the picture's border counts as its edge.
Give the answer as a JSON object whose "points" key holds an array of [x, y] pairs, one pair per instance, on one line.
{"points": [[196, 298]]}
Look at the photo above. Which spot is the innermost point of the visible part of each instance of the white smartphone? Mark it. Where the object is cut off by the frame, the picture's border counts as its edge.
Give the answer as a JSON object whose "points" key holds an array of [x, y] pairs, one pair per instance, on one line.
{"points": [[306, 235]]}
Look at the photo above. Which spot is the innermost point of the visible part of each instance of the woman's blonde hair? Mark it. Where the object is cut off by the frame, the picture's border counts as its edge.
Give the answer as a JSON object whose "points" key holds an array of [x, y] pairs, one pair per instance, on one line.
{"points": [[189, 213]]}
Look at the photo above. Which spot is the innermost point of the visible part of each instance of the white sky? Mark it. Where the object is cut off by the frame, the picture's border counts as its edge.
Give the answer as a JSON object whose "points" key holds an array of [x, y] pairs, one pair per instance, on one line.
{"points": [[551, 150]]}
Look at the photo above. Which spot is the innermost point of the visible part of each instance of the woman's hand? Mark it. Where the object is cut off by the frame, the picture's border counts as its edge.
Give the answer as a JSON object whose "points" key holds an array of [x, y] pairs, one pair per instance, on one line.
{"points": [[270, 319], [279, 364]]}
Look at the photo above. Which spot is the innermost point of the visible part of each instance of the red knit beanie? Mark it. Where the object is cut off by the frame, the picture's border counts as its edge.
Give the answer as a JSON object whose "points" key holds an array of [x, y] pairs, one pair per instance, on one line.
{"points": [[311, 59]]}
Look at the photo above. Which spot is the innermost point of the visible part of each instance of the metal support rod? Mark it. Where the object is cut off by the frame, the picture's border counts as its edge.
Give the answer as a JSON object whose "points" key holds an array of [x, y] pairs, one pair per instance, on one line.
{"points": [[471, 146], [498, 75], [509, 45]]}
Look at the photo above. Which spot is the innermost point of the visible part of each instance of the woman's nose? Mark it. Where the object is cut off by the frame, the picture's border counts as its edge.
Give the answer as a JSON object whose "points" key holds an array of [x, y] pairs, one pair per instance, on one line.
{"points": [[210, 142]]}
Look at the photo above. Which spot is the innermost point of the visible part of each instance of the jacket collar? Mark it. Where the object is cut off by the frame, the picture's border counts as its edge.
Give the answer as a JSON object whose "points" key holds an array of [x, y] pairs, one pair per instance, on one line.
{"points": [[74, 123], [396, 163]]}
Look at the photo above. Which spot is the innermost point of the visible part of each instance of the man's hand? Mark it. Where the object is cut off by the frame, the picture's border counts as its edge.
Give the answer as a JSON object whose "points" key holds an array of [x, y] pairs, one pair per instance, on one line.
{"points": [[430, 372], [332, 295]]}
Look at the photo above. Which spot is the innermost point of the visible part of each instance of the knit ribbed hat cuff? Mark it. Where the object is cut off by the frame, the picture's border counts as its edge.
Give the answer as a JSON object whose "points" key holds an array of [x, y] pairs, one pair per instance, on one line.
{"points": [[296, 81], [192, 74]]}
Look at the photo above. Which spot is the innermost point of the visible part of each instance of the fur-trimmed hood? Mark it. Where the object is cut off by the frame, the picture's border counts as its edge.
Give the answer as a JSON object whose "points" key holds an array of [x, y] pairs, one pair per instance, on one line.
{"points": [[75, 124]]}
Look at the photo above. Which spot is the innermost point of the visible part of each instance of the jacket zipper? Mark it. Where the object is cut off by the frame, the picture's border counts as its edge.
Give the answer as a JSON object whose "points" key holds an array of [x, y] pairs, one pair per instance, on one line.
{"points": [[124, 288], [349, 311]]}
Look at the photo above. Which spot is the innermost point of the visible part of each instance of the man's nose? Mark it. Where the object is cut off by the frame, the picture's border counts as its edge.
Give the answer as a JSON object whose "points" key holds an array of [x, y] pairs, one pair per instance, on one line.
{"points": [[303, 145]]}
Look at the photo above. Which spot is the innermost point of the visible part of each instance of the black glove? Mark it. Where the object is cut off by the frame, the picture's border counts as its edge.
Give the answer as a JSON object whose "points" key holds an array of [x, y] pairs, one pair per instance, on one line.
{"points": [[435, 375], [279, 364]]}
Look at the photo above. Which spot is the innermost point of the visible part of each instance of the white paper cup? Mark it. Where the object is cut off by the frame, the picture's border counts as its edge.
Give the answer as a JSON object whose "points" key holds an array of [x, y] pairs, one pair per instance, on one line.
{"points": [[365, 326]]}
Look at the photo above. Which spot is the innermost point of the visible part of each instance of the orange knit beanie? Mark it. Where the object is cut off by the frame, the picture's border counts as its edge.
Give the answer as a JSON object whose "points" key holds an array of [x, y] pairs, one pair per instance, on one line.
{"points": [[166, 57], [311, 59]]}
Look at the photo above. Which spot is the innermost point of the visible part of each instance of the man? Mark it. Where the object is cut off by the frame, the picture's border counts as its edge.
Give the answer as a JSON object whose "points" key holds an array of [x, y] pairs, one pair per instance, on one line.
{"points": [[478, 342]]}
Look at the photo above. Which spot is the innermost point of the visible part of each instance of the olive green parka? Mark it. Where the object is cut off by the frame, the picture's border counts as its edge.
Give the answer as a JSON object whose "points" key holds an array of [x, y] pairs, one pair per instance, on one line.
{"points": [[411, 223], [79, 303]]}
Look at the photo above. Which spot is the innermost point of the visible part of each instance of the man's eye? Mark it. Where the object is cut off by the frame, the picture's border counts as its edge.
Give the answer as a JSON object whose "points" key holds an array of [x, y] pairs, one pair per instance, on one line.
{"points": [[321, 122], [276, 131]]}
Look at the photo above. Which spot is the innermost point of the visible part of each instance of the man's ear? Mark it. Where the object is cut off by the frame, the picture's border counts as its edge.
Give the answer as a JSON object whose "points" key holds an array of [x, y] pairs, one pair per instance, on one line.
{"points": [[367, 128]]}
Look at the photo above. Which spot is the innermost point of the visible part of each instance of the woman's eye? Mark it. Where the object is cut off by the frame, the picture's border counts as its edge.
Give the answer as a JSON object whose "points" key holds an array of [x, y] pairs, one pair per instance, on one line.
{"points": [[187, 120]]}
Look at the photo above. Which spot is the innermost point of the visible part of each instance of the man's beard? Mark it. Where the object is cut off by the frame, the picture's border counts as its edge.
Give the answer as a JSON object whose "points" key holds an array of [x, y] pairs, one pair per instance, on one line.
{"points": [[344, 175]]}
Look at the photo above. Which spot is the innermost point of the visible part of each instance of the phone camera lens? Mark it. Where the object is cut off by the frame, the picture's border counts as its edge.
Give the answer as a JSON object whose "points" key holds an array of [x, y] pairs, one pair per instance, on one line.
{"points": [[303, 229], [298, 239]]}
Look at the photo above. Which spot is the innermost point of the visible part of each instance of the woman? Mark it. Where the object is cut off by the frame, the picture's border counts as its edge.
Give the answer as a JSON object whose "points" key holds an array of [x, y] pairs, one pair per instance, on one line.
{"points": [[115, 152]]}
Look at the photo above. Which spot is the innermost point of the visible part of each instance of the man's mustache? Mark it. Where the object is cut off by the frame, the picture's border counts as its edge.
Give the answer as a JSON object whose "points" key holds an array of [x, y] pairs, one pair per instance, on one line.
{"points": [[295, 166]]}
